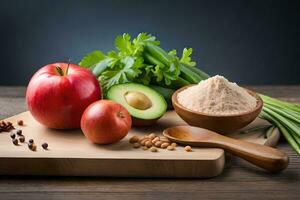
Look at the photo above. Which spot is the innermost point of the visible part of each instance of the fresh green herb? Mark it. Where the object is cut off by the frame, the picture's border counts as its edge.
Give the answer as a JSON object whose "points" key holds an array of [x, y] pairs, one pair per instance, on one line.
{"points": [[142, 60], [186, 57], [91, 59]]}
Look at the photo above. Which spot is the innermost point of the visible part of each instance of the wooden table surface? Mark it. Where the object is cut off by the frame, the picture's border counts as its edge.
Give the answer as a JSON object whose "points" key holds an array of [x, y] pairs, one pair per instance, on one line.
{"points": [[239, 181]]}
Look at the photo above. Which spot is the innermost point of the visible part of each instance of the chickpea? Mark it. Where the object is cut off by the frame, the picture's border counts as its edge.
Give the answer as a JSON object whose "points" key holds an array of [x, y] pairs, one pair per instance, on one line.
{"points": [[153, 149], [134, 139], [145, 148], [155, 139], [158, 143], [143, 142], [188, 148], [152, 136], [164, 145], [170, 148], [148, 144], [164, 139], [136, 145]]}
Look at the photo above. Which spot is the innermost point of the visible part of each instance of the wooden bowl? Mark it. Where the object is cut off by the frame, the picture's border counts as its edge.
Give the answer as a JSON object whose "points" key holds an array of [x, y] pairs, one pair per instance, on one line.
{"points": [[218, 123]]}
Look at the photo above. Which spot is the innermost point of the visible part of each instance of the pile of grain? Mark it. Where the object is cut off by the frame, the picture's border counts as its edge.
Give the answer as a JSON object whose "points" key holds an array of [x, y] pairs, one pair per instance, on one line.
{"points": [[217, 96]]}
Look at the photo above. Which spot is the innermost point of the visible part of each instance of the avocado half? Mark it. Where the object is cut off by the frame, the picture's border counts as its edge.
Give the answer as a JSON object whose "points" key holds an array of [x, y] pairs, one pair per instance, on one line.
{"points": [[144, 104]]}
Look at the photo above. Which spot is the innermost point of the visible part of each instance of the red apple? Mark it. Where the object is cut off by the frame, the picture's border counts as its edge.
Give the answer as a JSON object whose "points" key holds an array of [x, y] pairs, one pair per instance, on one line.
{"points": [[58, 94], [105, 122]]}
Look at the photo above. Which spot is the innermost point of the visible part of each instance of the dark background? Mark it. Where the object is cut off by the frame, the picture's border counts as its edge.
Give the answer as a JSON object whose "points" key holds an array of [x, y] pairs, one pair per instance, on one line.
{"points": [[250, 42]]}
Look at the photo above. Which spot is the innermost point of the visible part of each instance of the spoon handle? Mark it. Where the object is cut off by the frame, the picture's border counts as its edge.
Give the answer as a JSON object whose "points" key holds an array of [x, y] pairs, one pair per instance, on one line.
{"points": [[265, 157]]}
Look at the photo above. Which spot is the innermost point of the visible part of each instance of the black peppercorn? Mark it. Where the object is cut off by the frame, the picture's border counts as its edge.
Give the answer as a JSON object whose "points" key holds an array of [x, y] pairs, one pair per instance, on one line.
{"points": [[45, 145], [32, 146], [13, 136], [31, 141], [19, 132], [22, 138], [15, 141], [20, 123]]}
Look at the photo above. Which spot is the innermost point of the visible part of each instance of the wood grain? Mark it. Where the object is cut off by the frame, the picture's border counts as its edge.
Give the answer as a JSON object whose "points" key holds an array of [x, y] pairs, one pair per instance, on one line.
{"points": [[70, 154], [270, 159], [240, 181]]}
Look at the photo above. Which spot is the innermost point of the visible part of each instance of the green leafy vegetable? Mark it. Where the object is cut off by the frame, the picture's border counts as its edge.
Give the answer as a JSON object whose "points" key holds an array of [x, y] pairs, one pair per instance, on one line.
{"points": [[127, 71], [91, 59], [124, 45], [186, 57], [138, 60]]}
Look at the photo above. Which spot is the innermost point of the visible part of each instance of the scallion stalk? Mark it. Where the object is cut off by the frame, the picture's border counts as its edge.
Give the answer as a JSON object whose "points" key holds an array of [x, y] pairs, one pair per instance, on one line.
{"points": [[284, 115]]}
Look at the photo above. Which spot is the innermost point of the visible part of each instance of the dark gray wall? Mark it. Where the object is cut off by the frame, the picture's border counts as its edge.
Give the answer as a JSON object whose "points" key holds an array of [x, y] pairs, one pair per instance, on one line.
{"points": [[251, 42]]}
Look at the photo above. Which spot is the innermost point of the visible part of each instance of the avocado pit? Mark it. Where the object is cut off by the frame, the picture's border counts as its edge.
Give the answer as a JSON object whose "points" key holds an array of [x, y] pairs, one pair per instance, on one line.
{"points": [[138, 100]]}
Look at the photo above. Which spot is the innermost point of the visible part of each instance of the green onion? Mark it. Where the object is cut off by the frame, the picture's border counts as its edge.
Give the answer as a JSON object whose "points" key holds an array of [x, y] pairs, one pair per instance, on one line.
{"points": [[284, 115]]}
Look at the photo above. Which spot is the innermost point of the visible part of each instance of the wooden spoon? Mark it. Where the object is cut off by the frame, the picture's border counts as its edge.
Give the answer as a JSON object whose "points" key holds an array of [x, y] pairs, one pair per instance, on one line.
{"points": [[265, 157]]}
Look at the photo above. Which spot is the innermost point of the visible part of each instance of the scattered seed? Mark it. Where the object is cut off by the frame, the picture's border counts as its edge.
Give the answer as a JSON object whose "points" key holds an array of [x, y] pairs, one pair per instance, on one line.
{"points": [[145, 148], [152, 136], [170, 148], [20, 123], [164, 145], [6, 126], [153, 142], [174, 144], [155, 139], [136, 145], [153, 149], [31, 141], [33, 148], [45, 145], [164, 139], [148, 144], [134, 139], [158, 143], [22, 138], [13, 135], [15, 141], [143, 141], [19, 132], [188, 148]]}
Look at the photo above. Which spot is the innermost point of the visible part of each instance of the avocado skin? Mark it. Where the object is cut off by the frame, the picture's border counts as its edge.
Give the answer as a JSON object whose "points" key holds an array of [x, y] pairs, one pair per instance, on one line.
{"points": [[143, 122]]}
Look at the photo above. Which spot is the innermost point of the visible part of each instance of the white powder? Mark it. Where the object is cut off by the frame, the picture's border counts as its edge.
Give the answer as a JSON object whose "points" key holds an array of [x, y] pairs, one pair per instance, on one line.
{"points": [[217, 96]]}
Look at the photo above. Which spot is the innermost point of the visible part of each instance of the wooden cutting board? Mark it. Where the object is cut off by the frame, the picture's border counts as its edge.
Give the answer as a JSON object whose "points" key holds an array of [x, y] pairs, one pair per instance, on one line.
{"points": [[70, 154]]}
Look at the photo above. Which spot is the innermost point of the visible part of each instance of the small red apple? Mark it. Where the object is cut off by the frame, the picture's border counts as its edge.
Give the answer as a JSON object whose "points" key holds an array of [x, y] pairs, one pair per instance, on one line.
{"points": [[105, 122], [58, 94]]}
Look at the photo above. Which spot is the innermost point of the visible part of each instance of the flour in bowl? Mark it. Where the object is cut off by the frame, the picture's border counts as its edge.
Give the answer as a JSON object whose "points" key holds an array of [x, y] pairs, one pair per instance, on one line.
{"points": [[217, 96]]}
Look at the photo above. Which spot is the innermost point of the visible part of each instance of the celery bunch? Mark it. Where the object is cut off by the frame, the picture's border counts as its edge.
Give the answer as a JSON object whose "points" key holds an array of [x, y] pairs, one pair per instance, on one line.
{"points": [[142, 60]]}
